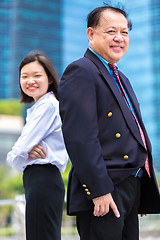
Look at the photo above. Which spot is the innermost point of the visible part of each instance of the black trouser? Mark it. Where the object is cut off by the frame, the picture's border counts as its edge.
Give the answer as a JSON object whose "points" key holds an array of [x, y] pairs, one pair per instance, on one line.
{"points": [[126, 196], [44, 192]]}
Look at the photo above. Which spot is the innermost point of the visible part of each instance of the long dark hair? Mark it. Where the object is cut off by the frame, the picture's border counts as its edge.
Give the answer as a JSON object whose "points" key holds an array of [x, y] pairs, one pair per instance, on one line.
{"points": [[49, 69]]}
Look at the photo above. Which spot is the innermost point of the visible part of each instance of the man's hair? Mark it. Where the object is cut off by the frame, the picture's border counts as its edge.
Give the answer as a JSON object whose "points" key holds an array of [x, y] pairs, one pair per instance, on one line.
{"points": [[49, 69], [93, 17]]}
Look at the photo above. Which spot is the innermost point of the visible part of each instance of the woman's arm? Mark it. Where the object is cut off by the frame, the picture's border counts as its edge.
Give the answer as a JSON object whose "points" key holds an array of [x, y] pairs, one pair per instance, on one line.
{"points": [[41, 123]]}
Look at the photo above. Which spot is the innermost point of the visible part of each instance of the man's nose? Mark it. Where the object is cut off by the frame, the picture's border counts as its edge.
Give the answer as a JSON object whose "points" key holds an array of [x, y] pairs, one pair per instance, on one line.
{"points": [[118, 37]]}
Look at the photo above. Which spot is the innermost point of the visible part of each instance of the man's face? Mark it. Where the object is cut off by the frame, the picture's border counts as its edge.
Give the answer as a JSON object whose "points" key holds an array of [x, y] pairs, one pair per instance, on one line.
{"points": [[110, 38]]}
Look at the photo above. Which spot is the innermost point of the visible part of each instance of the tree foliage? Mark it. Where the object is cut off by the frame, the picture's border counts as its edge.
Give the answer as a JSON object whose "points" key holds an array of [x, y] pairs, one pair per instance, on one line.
{"points": [[11, 184], [11, 107]]}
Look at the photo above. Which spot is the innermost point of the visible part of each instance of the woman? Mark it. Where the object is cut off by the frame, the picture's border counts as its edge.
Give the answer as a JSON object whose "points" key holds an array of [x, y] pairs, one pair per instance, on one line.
{"points": [[44, 188]]}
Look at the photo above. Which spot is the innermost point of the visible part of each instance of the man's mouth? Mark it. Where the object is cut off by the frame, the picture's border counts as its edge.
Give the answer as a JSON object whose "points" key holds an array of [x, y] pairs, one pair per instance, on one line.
{"points": [[118, 47]]}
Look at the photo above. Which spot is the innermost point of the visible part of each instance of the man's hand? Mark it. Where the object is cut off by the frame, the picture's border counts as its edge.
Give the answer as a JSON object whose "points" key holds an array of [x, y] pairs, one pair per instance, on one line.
{"points": [[102, 205], [37, 152]]}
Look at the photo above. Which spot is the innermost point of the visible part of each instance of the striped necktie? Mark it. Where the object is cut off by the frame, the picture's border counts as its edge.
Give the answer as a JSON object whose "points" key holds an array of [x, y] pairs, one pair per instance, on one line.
{"points": [[115, 74]]}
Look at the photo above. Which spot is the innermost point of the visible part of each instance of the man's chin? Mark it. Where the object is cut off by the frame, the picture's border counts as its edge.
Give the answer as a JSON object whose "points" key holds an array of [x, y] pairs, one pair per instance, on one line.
{"points": [[117, 57]]}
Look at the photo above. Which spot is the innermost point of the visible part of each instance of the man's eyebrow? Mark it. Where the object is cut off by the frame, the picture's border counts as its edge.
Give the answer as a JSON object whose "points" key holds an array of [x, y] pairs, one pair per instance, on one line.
{"points": [[116, 27]]}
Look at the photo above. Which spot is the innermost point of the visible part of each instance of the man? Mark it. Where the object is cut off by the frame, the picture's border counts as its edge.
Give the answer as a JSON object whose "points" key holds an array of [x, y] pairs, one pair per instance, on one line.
{"points": [[102, 128], [105, 136]]}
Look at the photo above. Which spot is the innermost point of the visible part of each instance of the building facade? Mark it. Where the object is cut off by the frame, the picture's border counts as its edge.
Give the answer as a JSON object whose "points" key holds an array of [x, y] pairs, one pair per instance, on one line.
{"points": [[6, 15], [58, 28], [141, 64], [27, 25], [155, 39]]}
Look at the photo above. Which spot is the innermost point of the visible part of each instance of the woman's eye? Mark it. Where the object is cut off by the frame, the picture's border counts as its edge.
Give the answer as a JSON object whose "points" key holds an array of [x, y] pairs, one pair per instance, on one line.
{"points": [[37, 76], [23, 77]]}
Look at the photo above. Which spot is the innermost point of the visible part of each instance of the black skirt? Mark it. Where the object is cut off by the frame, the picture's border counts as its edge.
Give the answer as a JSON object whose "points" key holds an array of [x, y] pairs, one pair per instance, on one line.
{"points": [[44, 193]]}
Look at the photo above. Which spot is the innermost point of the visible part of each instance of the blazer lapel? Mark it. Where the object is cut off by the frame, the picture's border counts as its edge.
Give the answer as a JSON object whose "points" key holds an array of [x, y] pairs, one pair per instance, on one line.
{"points": [[135, 104], [130, 92], [122, 104]]}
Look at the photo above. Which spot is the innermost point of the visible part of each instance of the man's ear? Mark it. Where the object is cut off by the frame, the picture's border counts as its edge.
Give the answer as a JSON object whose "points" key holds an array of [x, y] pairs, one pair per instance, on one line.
{"points": [[90, 33]]}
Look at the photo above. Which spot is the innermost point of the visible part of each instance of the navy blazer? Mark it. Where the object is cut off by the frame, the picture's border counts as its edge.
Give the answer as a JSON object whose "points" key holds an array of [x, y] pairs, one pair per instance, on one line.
{"points": [[101, 135]]}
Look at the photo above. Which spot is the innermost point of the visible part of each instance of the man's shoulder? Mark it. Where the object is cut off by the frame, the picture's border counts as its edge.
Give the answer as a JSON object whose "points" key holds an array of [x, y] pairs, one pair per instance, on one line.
{"points": [[81, 61], [84, 63]]}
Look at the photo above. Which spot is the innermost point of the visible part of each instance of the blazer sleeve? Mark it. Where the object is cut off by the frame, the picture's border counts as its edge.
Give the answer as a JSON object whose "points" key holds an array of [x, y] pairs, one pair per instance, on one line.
{"points": [[78, 109]]}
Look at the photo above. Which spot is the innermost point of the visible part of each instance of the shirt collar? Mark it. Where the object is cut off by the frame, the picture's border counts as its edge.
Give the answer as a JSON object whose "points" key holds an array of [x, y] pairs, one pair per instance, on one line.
{"points": [[105, 62], [47, 95]]}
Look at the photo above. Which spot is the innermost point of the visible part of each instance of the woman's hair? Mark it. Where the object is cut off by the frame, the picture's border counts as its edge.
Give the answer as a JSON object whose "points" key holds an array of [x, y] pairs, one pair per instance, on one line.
{"points": [[49, 69]]}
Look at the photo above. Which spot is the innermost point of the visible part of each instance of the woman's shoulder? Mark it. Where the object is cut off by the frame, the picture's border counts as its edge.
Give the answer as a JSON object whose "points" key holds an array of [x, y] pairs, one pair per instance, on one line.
{"points": [[48, 99], [48, 102]]}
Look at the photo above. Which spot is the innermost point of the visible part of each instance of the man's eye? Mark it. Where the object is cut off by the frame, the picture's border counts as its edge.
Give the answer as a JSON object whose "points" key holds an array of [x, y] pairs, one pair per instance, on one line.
{"points": [[111, 32], [125, 33]]}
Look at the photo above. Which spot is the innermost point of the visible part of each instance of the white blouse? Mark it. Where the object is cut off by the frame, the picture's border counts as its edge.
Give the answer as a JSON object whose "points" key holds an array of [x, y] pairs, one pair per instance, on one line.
{"points": [[43, 126]]}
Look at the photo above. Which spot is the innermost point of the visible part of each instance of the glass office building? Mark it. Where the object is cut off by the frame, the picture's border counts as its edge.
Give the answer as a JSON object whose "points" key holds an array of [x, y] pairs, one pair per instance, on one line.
{"points": [[141, 64], [25, 26], [155, 42], [6, 14], [58, 27]]}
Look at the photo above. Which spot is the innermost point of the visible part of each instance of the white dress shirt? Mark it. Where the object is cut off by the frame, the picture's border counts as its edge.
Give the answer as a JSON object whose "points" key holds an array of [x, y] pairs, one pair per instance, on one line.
{"points": [[43, 126]]}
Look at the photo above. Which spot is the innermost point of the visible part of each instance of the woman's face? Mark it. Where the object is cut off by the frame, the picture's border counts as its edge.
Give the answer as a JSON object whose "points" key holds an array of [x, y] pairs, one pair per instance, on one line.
{"points": [[34, 80]]}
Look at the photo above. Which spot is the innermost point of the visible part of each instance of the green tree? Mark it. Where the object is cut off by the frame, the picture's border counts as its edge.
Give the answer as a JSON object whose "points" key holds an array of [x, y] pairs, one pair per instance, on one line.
{"points": [[11, 107], [10, 185]]}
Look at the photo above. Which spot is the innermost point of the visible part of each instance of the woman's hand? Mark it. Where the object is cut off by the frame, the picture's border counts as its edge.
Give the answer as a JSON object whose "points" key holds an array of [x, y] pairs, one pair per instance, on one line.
{"points": [[37, 152]]}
